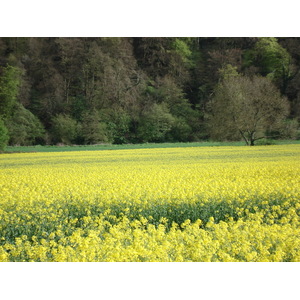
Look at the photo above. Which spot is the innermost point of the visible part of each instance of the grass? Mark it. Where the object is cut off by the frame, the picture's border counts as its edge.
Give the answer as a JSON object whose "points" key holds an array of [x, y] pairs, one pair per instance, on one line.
{"points": [[39, 148]]}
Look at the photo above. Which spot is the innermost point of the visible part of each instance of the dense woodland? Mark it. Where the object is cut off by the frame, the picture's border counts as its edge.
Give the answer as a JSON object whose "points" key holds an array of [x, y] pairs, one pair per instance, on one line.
{"points": [[136, 90]]}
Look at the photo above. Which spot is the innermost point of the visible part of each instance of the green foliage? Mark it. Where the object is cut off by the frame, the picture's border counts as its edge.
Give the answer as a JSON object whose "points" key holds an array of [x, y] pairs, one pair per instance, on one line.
{"points": [[181, 131], [64, 129], [170, 93], [93, 129], [9, 88], [228, 71], [78, 106], [290, 129], [155, 123], [181, 46], [124, 78], [248, 107], [24, 127], [4, 137], [272, 60], [117, 123], [185, 118]]}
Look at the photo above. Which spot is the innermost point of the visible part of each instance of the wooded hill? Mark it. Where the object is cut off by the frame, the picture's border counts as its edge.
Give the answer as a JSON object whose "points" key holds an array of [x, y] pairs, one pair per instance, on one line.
{"points": [[134, 90]]}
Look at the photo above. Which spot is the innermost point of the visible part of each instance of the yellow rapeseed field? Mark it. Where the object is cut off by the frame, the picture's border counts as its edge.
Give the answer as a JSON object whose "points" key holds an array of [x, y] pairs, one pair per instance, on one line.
{"points": [[171, 204]]}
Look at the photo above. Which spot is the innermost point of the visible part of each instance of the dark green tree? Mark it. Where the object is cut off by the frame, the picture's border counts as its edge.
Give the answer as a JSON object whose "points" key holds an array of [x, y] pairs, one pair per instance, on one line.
{"points": [[9, 87], [4, 137], [117, 124], [93, 129], [155, 123], [64, 129]]}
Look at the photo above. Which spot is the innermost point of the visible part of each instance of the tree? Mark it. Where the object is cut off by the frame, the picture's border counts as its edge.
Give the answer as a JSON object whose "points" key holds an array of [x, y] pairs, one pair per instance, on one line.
{"points": [[93, 129], [155, 123], [9, 86], [248, 107], [117, 123], [272, 60], [3, 136], [64, 129], [24, 127], [159, 57], [186, 119]]}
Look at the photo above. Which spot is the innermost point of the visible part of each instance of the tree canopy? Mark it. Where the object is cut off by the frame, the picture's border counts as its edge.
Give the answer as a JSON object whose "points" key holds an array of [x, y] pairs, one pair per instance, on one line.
{"points": [[132, 90], [252, 107]]}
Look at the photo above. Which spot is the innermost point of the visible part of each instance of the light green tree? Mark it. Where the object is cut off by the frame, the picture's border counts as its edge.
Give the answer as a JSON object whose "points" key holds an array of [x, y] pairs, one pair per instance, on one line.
{"points": [[272, 60]]}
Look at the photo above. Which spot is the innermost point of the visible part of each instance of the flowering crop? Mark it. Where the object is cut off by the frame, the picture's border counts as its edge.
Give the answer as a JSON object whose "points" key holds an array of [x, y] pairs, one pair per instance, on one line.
{"points": [[175, 204]]}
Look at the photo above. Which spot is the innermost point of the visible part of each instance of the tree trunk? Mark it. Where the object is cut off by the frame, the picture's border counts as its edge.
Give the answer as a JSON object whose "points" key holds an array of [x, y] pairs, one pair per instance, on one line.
{"points": [[244, 137]]}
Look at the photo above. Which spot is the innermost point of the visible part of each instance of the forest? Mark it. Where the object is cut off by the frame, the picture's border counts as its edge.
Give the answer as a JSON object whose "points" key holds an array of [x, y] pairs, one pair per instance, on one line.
{"points": [[96, 90]]}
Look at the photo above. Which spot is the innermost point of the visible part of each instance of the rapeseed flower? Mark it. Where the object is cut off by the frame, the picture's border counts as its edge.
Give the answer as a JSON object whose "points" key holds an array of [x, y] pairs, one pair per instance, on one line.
{"points": [[176, 204]]}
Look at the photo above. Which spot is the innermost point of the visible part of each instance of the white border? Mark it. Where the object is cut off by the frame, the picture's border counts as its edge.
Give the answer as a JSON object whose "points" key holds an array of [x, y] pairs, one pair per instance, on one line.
{"points": [[132, 281], [214, 18]]}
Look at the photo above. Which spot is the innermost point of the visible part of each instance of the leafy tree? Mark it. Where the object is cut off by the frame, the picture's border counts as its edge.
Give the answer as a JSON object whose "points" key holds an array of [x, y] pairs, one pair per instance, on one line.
{"points": [[186, 119], [272, 60], [9, 87], [290, 129], [181, 131], [220, 59], [64, 129], [4, 137], [109, 75], [93, 129], [72, 55], [155, 123], [160, 57], [117, 123], [182, 47], [164, 82], [227, 72], [24, 127], [246, 106]]}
